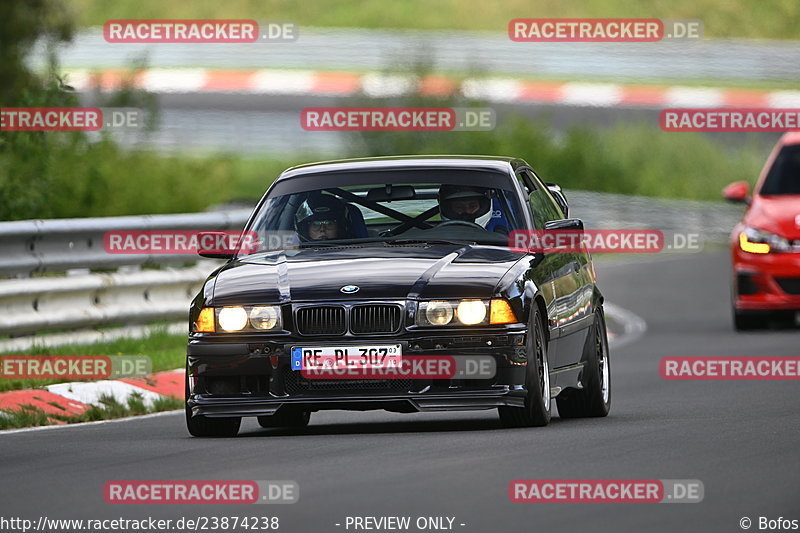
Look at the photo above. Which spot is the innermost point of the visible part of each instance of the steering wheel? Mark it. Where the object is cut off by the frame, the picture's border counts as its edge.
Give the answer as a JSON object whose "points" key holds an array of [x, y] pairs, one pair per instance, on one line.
{"points": [[472, 225]]}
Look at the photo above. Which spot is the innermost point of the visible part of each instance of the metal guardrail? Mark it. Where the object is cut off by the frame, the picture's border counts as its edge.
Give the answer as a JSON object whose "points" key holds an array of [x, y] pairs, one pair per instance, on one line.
{"points": [[64, 303], [714, 221], [37, 246], [78, 300], [131, 296]]}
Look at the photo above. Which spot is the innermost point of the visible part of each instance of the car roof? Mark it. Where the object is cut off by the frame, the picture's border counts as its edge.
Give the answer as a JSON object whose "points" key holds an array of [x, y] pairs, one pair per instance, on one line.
{"points": [[496, 163]]}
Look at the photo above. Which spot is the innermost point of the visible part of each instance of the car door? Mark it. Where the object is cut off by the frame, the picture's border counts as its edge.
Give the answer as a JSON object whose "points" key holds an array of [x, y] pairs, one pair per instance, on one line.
{"points": [[571, 279], [549, 264]]}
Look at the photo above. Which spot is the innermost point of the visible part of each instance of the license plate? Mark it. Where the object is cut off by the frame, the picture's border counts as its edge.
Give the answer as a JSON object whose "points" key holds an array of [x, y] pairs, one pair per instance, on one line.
{"points": [[343, 357]]}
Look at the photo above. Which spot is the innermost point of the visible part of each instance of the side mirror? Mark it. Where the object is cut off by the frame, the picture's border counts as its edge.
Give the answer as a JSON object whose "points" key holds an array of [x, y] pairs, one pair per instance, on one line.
{"points": [[559, 236], [574, 224], [213, 245], [737, 192], [566, 237], [558, 194]]}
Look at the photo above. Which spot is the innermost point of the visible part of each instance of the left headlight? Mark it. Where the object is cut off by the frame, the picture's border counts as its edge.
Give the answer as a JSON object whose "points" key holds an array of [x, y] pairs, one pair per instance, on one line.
{"points": [[468, 312], [239, 318]]}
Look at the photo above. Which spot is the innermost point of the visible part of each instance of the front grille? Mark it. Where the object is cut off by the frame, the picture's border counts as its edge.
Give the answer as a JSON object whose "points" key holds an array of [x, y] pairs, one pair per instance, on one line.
{"points": [[320, 320], [375, 318], [295, 383], [789, 285], [364, 319]]}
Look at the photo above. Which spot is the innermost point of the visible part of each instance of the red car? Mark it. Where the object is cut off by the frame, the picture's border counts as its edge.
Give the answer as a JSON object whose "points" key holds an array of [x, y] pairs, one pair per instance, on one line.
{"points": [[766, 243]]}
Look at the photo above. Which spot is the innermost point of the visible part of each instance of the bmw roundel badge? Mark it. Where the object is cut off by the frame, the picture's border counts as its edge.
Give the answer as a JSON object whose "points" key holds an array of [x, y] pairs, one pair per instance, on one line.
{"points": [[349, 289]]}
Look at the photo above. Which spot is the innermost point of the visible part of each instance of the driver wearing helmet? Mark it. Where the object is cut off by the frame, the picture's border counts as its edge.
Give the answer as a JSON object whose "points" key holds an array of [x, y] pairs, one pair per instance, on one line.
{"points": [[326, 221], [464, 202]]}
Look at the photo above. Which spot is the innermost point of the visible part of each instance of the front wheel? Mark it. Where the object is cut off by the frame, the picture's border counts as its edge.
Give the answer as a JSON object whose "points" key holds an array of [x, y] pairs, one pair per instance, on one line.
{"points": [[536, 411], [594, 399]]}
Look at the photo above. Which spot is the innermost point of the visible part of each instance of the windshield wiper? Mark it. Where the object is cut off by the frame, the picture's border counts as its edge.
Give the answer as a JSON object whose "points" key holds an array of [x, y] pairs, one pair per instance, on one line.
{"points": [[429, 241], [325, 244], [334, 243]]}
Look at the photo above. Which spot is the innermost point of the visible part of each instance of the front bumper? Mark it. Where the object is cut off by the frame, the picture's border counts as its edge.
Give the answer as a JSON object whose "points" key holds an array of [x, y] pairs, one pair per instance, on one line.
{"points": [[766, 281], [405, 403], [252, 376]]}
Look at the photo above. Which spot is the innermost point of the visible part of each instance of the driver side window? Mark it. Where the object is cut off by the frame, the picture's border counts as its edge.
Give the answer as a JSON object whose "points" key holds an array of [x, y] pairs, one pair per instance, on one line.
{"points": [[543, 209]]}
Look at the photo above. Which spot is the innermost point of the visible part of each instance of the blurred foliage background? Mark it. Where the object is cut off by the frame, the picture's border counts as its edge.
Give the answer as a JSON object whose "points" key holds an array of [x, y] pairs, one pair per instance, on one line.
{"points": [[768, 19], [44, 175]]}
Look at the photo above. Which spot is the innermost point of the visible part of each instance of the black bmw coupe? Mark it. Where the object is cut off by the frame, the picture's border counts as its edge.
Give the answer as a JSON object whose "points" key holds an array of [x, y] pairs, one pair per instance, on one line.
{"points": [[359, 266]]}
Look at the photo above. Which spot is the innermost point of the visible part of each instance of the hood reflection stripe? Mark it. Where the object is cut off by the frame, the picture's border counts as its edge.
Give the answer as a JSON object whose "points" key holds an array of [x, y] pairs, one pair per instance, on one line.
{"points": [[426, 276], [284, 288]]}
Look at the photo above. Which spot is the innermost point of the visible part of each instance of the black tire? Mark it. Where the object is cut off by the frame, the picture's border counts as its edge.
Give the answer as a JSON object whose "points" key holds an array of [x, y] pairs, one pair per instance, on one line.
{"points": [[285, 418], [201, 426], [744, 321], [594, 399], [536, 411]]}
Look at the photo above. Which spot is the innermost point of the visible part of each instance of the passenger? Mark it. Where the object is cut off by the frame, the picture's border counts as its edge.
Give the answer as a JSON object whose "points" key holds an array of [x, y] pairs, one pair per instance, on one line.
{"points": [[328, 220]]}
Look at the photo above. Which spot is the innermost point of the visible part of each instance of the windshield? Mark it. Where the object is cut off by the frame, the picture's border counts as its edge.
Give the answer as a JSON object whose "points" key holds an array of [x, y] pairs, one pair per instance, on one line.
{"points": [[391, 207], [784, 176]]}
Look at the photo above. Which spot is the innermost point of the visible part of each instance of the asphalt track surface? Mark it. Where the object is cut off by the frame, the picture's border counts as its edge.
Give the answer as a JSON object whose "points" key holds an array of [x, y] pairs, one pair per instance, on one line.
{"points": [[740, 438]]}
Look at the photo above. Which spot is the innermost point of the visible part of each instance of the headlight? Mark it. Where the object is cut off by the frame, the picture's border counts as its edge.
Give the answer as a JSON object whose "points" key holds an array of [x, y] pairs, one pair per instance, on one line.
{"points": [[465, 313], [265, 317], [258, 318], [471, 312], [439, 313], [232, 318], [755, 241]]}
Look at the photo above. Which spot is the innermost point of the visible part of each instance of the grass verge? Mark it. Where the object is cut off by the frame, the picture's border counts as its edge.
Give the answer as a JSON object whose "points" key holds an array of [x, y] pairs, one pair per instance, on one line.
{"points": [[166, 352], [768, 19], [109, 408]]}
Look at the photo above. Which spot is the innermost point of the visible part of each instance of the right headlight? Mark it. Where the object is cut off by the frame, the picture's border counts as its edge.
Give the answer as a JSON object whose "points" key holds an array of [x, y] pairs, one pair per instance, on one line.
{"points": [[755, 241], [257, 318], [265, 317]]}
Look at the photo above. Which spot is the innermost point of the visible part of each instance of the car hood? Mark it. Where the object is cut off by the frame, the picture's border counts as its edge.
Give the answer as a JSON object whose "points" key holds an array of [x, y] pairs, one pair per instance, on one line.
{"points": [[379, 272], [776, 214]]}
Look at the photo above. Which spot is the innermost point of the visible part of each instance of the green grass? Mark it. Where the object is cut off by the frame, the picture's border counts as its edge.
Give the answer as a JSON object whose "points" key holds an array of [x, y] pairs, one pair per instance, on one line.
{"points": [[26, 416], [770, 19], [109, 408], [166, 352]]}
